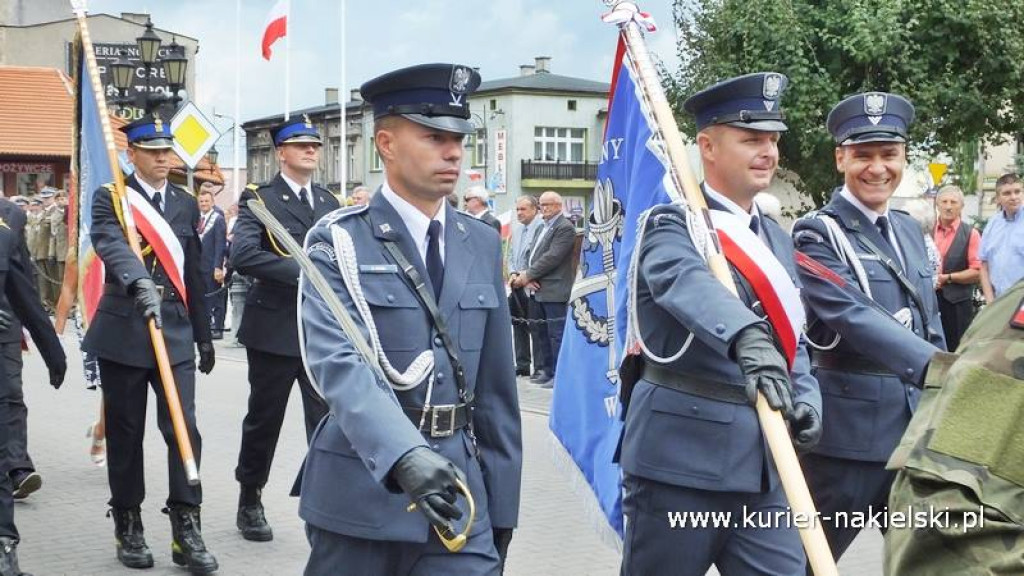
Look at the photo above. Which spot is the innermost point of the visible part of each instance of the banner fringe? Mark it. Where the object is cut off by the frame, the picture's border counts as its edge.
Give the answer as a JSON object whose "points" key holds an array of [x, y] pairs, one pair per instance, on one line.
{"points": [[592, 510]]}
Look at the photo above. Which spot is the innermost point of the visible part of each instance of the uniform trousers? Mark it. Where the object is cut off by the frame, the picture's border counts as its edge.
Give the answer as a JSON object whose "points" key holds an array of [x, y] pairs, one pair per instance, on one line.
{"points": [[15, 417], [270, 383], [847, 486], [125, 390], [7, 527], [334, 554], [652, 547], [956, 317]]}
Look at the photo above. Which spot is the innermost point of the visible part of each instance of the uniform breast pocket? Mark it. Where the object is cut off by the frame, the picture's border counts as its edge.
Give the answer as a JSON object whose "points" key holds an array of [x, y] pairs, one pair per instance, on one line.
{"points": [[396, 312], [475, 304], [687, 434], [874, 269]]}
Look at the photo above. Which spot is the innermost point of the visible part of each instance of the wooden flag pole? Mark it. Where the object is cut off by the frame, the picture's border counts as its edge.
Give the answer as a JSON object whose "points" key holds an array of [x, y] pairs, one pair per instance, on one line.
{"points": [[802, 508], [118, 195]]}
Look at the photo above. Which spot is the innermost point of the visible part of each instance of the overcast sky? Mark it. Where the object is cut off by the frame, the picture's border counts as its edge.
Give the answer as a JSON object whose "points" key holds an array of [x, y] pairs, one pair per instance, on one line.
{"points": [[494, 35]]}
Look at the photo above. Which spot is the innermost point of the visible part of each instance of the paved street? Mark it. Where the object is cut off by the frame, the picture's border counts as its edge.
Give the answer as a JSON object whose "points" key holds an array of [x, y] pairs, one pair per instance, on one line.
{"points": [[65, 531]]}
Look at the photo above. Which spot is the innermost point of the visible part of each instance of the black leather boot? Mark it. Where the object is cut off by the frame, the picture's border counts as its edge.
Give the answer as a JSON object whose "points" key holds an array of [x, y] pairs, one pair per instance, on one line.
{"points": [[187, 548], [132, 550], [9, 558], [251, 519]]}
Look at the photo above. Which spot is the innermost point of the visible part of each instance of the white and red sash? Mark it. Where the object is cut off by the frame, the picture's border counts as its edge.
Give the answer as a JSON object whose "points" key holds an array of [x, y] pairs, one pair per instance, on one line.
{"points": [[772, 285], [158, 233], [207, 223]]}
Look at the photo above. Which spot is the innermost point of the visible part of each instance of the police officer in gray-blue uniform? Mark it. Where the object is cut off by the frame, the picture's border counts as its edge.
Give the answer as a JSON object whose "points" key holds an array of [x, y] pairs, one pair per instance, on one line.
{"points": [[692, 441], [875, 328], [429, 278]]}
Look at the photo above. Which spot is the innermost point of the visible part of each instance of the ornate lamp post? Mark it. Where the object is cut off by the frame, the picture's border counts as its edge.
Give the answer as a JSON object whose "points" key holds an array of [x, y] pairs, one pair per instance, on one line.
{"points": [[174, 65]]}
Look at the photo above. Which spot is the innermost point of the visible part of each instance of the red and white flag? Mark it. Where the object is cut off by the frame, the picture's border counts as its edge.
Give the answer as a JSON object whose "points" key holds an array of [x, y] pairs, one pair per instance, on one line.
{"points": [[276, 26]]}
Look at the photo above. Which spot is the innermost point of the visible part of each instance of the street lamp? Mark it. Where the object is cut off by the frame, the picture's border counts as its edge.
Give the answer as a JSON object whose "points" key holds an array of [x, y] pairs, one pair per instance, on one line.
{"points": [[212, 156], [174, 65]]}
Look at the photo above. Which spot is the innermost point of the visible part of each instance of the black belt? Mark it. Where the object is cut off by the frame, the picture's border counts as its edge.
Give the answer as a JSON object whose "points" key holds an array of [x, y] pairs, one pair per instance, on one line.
{"points": [[694, 385], [439, 421], [167, 294], [848, 363]]}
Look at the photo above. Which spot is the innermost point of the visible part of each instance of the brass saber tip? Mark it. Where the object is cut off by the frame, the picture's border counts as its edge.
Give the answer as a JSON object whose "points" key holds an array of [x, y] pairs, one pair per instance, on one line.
{"points": [[455, 542]]}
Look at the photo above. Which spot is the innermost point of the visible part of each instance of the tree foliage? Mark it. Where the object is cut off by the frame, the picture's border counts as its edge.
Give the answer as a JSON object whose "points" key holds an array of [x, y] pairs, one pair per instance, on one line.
{"points": [[961, 62]]}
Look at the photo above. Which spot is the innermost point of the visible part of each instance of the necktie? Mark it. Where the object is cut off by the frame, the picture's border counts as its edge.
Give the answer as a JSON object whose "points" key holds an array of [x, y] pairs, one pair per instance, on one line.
{"points": [[883, 228], [435, 269], [158, 202], [755, 225], [304, 197]]}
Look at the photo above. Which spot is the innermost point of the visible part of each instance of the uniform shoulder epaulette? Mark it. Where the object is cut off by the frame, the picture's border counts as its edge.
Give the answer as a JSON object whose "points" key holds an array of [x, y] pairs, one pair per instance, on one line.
{"points": [[109, 186], [673, 212], [252, 186], [471, 218], [900, 210], [339, 214]]}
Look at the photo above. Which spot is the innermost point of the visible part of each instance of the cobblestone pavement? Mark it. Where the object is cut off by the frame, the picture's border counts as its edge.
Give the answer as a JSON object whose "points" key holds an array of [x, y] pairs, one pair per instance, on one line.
{"points": [[65, 532]]}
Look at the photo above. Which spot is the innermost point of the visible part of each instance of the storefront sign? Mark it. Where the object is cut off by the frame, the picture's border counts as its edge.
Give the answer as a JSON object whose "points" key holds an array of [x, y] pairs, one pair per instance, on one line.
{"points": [[25, 168]]}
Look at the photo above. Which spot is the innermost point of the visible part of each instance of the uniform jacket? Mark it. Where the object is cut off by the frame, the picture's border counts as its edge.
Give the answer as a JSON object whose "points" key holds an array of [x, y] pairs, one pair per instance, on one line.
{"points": [[58, 218], [866, 413], [550, 262], [15, 219], [683, 439], [367, 431], [268, 321], [18, 294], [38, 238], [213, 244], [118, 331]]}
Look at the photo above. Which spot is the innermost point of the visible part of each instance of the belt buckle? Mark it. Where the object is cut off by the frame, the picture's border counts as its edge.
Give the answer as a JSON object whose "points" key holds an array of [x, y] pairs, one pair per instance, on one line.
{"points": [[436, 418]]}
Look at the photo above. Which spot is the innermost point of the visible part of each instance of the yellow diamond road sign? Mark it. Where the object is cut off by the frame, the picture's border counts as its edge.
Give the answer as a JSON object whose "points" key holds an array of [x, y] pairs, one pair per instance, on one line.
{"points": [[194, 134]]}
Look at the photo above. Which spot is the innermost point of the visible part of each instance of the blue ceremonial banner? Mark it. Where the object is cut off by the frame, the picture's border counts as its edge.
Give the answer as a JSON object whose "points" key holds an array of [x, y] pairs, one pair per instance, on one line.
{"points": [[93, 171], [631, 177]]}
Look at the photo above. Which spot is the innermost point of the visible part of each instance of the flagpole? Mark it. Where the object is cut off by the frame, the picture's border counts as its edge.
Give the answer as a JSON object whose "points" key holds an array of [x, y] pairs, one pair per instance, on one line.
{"points": [[119, 196], [343, 101], [236, 139], [773, 427], [287, 60]]}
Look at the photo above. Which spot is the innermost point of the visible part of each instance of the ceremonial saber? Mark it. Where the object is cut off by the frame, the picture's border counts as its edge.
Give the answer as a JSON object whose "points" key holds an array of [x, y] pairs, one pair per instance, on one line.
{"points": [[118, 195], [452, 541], [819, 555]]}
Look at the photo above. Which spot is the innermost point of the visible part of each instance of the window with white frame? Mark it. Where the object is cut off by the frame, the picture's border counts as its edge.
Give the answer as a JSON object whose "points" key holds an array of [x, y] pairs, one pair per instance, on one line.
{"points": [[351, 162], [375, 163], [480, 147], [551, 144]]}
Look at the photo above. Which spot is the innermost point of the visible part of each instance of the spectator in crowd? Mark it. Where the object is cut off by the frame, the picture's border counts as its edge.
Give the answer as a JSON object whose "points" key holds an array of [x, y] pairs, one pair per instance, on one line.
{"points": [[213, 239], [360, 196], [549, 275], [1002, 243], [521, 242], [453, 199], [475, 199], [958, 244]]}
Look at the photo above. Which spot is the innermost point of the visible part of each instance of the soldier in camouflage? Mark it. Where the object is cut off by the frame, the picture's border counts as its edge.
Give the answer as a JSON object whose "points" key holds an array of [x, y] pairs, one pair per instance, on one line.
{"points": [[963, 455]]}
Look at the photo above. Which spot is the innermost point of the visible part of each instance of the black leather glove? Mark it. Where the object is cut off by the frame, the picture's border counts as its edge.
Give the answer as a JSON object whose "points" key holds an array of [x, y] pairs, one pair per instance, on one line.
{"points": [[147, 299], [206, 357], [57, 375], [763, 367], [6, 319], [805, 427], [502, 538], [429, 480]]}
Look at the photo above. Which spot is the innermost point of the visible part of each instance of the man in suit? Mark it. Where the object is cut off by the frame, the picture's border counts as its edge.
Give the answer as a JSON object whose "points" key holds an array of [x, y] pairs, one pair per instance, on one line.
{"points": [[875, 336], [213, 237], [476, 202], [268, 328], [399, 437], [549, 275], [692, 440], [166, 287], [18, 464], [520, 244]]}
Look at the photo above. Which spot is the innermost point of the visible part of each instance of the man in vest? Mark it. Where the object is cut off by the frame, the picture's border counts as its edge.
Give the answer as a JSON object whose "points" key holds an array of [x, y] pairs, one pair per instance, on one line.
{"points": [[958, 243]]}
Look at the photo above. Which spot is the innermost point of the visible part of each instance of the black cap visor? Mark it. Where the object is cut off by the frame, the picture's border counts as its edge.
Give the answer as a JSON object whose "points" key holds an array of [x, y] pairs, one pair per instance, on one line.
{"points": [[155, 144], [442, 123], [761, 125]]}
